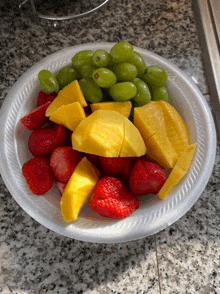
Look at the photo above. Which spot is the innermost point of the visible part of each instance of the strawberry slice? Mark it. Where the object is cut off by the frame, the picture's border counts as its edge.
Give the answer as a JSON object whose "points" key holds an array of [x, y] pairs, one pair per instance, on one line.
{"points": [[123, 175], [94, 159], [36, 118], [112, 199], [43, 98], [42, 141], [146, 177], [38, 175], [112, 165], [69, 137], [60, 186], [63, 161]]}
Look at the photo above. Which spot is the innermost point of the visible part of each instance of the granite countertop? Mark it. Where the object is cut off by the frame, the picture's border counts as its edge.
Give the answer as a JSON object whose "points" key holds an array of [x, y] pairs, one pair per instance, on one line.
{"points": [[185, 257]]}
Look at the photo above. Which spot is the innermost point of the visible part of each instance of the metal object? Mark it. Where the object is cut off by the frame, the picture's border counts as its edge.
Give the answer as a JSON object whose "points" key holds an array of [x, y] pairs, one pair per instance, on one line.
{"points": [[207, 13], [55, 18]]}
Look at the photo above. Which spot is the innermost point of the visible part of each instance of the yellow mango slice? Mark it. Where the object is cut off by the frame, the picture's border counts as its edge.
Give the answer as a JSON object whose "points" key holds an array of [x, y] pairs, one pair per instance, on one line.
{"points": [[78, 190], [101, 133], [175, 127], [179, 171], [163, 130], [177, 121], [175, 176], [69, 94], [122, 107], [160, 149], [69, 115], [133, 144], [149, 119], [185, 159], [108, 133]]}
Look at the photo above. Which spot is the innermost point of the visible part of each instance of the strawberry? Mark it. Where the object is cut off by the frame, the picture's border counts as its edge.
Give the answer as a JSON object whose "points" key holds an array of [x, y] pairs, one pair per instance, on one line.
{"points": [[112, 165], [42, 141], [63, 161], [49, 124], [36, 118], [94, 159], [112, 199], [68, 137], [123, 175], [38, 175], [60, 186], [146, 177], [43, 98], [87, 108]]}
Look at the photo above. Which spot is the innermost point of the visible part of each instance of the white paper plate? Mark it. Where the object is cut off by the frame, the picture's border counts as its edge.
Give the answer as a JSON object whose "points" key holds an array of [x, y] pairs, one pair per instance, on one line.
{"points": [[153, 214]]}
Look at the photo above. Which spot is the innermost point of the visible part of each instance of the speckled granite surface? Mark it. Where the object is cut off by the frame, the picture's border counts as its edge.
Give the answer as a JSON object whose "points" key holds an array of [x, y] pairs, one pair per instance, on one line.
{"points": [[183, 258]]}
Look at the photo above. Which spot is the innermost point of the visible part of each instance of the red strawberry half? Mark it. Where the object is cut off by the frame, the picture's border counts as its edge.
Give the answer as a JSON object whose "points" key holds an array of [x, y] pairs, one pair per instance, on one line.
{"points": [[36, 118], [112, 165], [123, 175], [42, 141], [38, 175], [43, 98], [112, 199], [60, 186], [63, 161], [69, 137], [146, 177], [94, 159]]}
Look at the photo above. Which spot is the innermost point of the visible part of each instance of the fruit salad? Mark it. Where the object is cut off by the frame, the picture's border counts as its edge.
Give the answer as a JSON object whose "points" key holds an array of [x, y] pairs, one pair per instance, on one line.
{"points": [[104, 133]]}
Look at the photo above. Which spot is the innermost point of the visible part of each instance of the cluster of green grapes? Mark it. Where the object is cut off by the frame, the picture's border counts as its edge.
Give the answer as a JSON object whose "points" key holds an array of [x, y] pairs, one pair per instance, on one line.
{"points": [[119, 75]]}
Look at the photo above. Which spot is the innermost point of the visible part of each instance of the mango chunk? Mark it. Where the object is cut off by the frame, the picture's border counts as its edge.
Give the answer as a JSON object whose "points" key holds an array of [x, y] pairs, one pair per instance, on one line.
{"points": [[69, 115], [175, 176], [69, 94], [179, 171], [160, 149], [176, 120], [78, 190], [101, 133], [108, 133], [133, 144], [122, 107], [175, 127], [163, 130], [149, 119], [185, 159]]}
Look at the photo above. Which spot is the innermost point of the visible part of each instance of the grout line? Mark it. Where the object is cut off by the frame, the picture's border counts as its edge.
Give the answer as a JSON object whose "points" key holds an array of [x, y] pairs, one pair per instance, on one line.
{"points": [[158, 269]]}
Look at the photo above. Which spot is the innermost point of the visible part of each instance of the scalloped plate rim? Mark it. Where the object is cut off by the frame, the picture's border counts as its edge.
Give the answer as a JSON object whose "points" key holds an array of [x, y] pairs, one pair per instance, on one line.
{"points": [[142, 232]]}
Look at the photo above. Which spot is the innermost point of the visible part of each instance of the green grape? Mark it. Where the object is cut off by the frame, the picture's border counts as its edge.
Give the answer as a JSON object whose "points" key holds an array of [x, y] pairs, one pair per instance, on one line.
{"points": [[81, 58], [121, 52], [123, 91], [160, 93], [66, 75], [155, 75], [104, 77], [125, 72], [138, 61], [48, 82], [143, 95], [91, 90], [111, 65], [87, 70], [101, 58]]}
